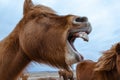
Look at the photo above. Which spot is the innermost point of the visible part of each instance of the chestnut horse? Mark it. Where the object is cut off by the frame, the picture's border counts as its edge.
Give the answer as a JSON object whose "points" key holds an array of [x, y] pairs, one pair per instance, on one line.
{"points": [[41, 36], [106, 68]]}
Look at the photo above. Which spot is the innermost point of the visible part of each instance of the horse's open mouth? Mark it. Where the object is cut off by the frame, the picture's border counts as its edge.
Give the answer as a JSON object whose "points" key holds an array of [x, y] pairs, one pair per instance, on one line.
{"points": [[79, 33], [73, 55], [73, 36]]}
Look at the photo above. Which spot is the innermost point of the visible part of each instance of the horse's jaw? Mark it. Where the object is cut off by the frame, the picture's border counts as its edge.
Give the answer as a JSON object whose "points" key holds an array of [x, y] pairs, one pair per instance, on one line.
{"points": [[72, 56]]}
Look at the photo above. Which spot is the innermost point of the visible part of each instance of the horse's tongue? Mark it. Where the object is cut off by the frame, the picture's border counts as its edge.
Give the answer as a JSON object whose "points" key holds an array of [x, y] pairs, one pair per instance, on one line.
{"points": [[83, 35]]}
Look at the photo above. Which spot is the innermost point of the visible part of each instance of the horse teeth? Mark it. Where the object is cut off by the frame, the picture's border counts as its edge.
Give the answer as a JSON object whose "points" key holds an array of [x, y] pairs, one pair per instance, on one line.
{"points": [[84, 36]]}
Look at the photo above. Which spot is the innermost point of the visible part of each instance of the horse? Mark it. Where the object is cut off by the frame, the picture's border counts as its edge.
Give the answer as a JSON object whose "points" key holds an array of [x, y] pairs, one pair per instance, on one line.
{"points": [[41, 36], [106, 68]]}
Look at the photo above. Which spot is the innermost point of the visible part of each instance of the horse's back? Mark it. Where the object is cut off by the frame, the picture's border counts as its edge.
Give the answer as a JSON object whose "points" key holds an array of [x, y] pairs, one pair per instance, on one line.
{"points": [[84, 70]]}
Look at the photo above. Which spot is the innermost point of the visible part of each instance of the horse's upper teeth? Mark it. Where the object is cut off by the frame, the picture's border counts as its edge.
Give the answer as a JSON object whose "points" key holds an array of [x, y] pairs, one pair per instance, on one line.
{"points": [[84, 36]]}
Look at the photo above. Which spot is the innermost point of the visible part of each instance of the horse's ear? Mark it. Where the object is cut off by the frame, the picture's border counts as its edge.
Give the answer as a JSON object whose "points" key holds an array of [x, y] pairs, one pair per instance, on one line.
{"points": [[27, 6], [118, 48]]}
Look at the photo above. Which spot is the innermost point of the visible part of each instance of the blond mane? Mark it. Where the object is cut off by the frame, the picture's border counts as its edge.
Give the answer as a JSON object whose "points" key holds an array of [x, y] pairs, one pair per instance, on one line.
{"points": [[107, 61]]}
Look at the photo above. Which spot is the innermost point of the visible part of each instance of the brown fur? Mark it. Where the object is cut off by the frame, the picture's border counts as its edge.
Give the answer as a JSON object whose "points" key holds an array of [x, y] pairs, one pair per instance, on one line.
{"points": [[104, 69], [66, 75], [118, 57], [39, 36]]}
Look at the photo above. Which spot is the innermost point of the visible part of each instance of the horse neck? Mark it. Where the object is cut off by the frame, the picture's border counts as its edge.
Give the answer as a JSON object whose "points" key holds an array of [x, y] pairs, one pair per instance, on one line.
{"points": [[17, 65], [12, 59]]}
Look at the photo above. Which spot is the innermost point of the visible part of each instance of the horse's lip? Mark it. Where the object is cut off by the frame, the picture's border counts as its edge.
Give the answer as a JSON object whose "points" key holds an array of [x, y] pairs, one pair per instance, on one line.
{"points": [[87, 28]]}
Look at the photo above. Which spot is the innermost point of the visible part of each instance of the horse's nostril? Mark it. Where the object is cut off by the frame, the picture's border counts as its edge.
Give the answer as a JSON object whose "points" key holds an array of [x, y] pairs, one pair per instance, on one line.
{"points": [[81, 19], [78, 19]]}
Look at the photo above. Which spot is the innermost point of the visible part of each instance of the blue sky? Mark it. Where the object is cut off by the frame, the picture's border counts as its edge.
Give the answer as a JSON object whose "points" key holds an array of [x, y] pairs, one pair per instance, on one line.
{"points": [[104, 16]]}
